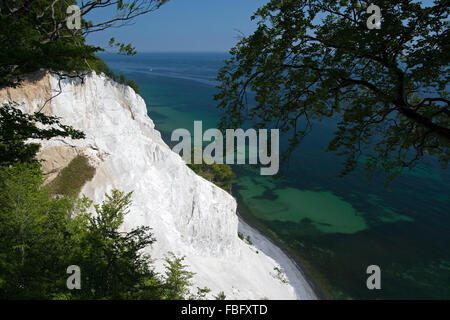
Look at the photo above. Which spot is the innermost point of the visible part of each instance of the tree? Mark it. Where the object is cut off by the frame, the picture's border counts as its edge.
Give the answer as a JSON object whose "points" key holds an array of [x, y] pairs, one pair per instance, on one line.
{"points": [[34, 238], [220, 174], [17, 127], [221, 296], [178, 279], [42, 235], [311, 60], [112, 261], [36, 34]]}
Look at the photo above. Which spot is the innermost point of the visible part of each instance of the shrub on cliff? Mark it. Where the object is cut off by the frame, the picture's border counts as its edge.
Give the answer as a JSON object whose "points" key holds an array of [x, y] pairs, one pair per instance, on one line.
{"points": [[219, 174], [99, 66]]}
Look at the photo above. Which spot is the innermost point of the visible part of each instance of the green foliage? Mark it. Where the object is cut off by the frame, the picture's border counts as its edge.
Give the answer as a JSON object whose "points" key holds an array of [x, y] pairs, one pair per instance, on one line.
{"points": [[42, 235], [280, 275], [29, 42], [245, 239], [111, 261], [73, 177], [35, 34], [99, 66], [314, 60], [220, 174], [133, 84], [34, 242], [16, 127], [126, 49], [221, 296], [201, 294], [178, 279]]}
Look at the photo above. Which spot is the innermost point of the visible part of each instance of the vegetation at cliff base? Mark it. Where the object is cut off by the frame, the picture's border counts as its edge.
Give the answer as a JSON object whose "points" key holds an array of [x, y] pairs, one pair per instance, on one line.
{"points": [[219, 174]]}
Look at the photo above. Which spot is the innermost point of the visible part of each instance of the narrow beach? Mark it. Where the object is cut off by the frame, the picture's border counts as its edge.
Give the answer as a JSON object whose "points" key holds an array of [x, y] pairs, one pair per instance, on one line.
{"points": [[296, 276]]}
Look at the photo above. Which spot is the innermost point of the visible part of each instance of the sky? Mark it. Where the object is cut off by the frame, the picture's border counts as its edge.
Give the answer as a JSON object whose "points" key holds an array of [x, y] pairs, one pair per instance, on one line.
{"points": [[186, 26]]}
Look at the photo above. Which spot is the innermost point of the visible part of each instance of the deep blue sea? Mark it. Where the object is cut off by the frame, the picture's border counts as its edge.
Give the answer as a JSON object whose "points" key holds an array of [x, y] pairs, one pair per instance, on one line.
{"points": [[336, 227]]}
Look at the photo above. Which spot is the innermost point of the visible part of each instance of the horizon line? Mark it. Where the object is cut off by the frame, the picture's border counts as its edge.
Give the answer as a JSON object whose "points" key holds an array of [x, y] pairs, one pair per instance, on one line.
{"points": [[113, 52]]}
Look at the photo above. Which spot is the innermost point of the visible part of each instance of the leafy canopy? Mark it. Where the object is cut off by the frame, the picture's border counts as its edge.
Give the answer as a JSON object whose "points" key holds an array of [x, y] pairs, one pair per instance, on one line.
{"points": [[35, 34], [311, 60], [17, 127]]}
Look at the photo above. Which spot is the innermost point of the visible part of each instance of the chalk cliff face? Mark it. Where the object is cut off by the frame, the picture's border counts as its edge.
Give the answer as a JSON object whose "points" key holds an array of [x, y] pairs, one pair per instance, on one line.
{"points": [[188, 215]]}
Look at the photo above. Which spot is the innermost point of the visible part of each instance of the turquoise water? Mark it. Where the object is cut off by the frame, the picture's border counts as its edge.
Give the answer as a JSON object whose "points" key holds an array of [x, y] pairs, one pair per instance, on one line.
{"points": [[336, 226]]}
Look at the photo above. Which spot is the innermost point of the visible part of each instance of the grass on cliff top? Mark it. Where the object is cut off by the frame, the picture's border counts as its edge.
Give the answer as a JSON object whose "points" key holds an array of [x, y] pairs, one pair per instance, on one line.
{"points": [[72, 178]]}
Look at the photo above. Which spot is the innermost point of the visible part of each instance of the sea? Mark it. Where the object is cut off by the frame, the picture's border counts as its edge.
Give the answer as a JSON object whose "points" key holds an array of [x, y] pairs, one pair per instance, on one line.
{"points": [[334, 227]]}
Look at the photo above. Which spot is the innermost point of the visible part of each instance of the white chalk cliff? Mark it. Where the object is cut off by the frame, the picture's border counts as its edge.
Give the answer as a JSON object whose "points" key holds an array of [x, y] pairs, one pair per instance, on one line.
{"points": [[188, 215]]}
